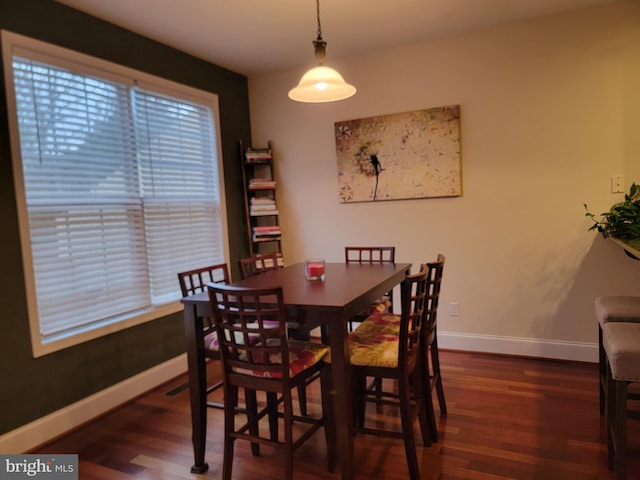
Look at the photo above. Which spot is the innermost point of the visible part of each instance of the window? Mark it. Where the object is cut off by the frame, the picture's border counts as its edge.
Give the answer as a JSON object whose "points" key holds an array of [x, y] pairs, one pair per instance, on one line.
{"points": [[118, 178]]}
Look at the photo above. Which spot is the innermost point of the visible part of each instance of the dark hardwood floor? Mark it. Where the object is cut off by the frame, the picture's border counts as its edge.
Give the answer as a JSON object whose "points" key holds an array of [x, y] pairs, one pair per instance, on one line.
{"points": [[508, 418]]}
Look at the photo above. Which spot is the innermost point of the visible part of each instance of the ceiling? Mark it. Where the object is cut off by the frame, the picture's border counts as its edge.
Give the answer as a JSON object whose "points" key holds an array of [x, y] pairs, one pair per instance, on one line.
{"points": [[255, 36]]}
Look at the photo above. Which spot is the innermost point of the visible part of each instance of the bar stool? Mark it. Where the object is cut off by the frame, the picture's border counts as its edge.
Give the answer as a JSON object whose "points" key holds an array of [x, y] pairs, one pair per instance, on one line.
{"points": [[621, 342], [613, 308]]}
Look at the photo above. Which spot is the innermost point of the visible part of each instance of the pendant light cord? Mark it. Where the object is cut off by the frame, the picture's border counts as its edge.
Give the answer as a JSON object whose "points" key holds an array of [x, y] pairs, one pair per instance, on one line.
{"points": [[321, 84], [319, 33], [319, 44]]}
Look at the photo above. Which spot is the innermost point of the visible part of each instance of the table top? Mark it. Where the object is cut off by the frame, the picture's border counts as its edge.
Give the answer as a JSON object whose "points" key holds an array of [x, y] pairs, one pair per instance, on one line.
{"points": [[345, 283]]}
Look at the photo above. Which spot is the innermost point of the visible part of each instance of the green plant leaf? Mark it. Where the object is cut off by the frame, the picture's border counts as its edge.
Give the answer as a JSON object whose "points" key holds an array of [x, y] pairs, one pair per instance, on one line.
{"points": [[623, 218]]}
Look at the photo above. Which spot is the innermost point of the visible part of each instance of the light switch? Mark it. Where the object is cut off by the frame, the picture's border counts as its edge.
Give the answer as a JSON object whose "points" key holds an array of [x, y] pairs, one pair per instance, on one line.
{"points": [[617, 184]]}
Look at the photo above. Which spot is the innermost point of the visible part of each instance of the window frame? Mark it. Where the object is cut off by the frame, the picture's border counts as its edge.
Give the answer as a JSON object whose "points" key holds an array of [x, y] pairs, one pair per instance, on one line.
{"points": [[13, 44]]}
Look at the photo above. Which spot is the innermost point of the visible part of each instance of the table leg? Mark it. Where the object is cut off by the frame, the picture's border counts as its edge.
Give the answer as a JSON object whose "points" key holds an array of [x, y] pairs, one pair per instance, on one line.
{"points": [[342, 386], [193, 326]]}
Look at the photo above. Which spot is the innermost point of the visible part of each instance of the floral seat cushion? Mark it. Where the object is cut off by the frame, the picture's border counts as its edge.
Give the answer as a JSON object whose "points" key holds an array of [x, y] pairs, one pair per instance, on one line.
{"points": [[381, 323], [381, 305], [372, 349], [302, 355]]}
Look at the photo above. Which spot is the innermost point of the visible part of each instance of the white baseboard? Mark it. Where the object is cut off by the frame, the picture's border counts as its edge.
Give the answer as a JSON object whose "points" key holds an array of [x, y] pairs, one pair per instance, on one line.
{"points": [[36, 433], [527, 347]]}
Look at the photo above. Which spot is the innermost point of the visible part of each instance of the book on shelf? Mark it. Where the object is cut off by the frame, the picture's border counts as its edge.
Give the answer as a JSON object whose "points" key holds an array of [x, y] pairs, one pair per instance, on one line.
{"points": [[267, 229], [266, 233], [257, 155], [263, 206], [259, 213], [263, 200], [265, 239], [261, 183]]}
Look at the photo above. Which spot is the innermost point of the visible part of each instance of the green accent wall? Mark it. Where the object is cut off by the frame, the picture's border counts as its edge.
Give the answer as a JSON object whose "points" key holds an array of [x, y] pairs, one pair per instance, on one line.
{"points": [[31, 388]]}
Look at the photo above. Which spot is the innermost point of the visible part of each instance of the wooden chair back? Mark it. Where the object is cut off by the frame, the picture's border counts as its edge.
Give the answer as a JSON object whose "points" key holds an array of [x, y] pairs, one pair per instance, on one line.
{"points": [[413, 300], [251, 326], [430, 355], [435, 270], [259, 264], [370, 254], [195, 281]]}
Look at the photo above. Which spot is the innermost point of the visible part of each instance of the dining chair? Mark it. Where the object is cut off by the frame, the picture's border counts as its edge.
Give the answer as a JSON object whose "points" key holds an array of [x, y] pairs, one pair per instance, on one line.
{"points": [[383, 304], [395, 356], [195, 281], [430, 357], [258, 264], [298, 326], [259, 358], [371, 255]]}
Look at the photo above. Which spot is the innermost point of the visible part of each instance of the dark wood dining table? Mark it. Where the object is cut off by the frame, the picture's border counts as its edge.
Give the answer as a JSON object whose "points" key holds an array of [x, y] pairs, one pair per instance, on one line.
{"points": [[347, 289]]}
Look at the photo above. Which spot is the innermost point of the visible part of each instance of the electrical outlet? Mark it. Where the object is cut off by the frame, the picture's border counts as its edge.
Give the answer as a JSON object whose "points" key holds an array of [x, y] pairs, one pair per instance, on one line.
{"points": [[454, 309], [617, 184]]}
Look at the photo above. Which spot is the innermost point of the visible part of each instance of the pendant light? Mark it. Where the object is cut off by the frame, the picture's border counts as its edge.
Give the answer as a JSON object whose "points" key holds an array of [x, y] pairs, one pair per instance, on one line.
{"points": [[321, 84]]}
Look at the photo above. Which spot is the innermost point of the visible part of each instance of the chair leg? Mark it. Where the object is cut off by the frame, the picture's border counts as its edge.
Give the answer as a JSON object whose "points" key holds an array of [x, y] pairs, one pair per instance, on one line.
{"points": [[407, 427], [229, 427], [359, 399], [437, 377], [424, 417], [426, 380], [272, 406], [302, 399], [329, 414], [252, 418], [288, 435], [227, 461], [377, 386]]}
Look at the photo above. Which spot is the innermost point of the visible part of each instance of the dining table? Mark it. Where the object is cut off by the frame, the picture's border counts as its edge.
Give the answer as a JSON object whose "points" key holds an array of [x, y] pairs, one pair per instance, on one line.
{"points": [[347, 289]]}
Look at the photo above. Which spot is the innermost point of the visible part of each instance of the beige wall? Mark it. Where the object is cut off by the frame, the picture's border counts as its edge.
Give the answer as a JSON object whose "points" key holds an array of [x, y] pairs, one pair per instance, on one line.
{"points": [[550, 110]]}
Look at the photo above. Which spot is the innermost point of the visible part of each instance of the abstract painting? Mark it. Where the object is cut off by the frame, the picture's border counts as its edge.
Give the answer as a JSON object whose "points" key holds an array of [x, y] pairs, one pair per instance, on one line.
{"points": [[400, 156]]}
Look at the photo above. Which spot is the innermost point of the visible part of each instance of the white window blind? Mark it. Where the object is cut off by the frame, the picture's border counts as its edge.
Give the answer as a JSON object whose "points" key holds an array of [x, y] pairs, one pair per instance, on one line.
{"points": [[175, 144], [122, 191]]}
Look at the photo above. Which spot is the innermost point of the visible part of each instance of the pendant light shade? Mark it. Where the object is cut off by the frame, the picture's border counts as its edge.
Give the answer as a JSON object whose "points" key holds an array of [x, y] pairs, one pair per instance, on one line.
{"points": [[321, 84]]}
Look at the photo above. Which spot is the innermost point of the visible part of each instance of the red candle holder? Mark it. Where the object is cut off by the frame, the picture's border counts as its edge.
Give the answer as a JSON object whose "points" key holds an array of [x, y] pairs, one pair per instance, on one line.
{"points": [[314, 269]]}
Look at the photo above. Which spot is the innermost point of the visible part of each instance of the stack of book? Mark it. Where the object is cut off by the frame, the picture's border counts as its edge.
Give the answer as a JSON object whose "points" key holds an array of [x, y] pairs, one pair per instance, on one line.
{"points": [[261, 184], [258, 155], [263, 206], [266, 233]]}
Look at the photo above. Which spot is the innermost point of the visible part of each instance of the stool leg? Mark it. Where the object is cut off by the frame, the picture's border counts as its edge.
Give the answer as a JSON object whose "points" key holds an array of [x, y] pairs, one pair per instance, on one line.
{"points": [[616, 422], [602, 368], [620, 430], [610, 408]]}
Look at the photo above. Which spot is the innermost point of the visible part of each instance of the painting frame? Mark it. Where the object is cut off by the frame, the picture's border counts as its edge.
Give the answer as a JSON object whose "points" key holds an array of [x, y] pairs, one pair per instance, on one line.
{"points": [[400, 156]]}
